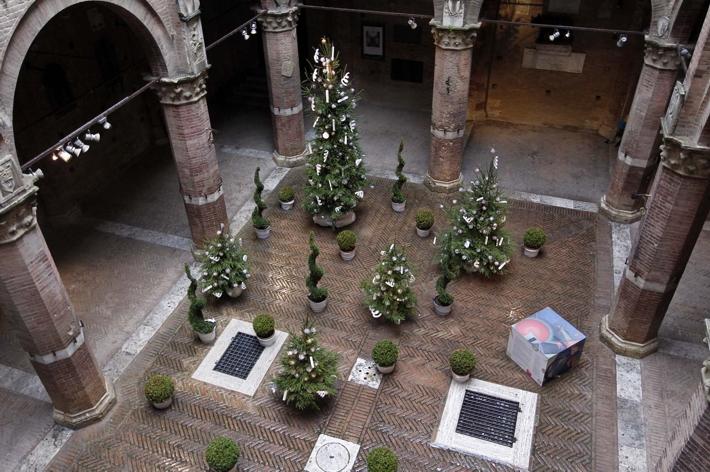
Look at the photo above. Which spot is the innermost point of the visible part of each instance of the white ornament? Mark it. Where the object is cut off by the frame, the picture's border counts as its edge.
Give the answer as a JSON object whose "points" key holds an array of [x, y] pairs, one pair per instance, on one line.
{"points": [[326, 135], [360, 194]]}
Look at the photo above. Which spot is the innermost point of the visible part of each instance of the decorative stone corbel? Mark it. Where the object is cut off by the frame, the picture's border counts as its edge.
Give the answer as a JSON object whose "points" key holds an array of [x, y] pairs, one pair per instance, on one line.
{"points": [[690, 161], [454, 38], [660, 54]]}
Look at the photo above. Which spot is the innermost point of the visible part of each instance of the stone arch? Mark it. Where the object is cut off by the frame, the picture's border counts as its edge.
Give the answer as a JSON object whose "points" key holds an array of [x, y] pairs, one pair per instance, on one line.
{"points": [[143, 19]]}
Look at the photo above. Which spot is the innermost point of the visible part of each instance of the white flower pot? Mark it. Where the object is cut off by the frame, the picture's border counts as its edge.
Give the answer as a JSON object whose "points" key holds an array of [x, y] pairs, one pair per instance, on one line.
{"points": [[286, 205], [235, 291], [399, 207], [442, 310], [208, 338], [386, 370], [530, 252], [163, 405], [345, 220], [460, 378], [267, 341], [318, 307], [263, 233], [347, 256], [423, 233]]}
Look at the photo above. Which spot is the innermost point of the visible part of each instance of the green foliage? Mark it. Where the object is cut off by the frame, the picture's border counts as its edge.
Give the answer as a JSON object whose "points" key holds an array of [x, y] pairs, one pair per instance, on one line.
{"points": [[336, 176], [397, 195], [443, 297], [388, 293], [263, 325], [425, 218], [222, 454], [382, 459], [308, 371], [315, 273], [462, 361], [478, 242], [385, 353], [159, 388], [346, 240], [534, 238], [223, 264], [257, 218], [197, 304], [286, 194], [449, 272]]}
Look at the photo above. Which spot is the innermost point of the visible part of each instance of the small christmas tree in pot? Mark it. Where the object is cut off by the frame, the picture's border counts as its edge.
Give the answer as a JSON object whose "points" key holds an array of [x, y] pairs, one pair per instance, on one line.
{"points": [[478, 243], [308, 372], [206, 329], [261, 224], [336, 176], [399, 200], [317, 296], [224, 266], [388, 293]]}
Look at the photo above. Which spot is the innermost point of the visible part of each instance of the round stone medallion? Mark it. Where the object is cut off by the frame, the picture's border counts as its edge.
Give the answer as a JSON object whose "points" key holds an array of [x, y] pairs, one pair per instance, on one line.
{"points": [[333, 457]]}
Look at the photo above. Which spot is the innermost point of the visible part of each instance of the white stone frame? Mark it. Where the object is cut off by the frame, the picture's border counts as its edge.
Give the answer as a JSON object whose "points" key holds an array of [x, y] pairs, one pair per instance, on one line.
{"points": [[517, 456], [359, 378], [206, 373], [351, 448]]}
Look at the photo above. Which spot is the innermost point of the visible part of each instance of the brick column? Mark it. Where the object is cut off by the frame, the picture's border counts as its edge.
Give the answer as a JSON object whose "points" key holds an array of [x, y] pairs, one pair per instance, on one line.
{"points": [[638, 151], [675, 217], [33, 297], [190, 132], [452, 74], [278, 24]]}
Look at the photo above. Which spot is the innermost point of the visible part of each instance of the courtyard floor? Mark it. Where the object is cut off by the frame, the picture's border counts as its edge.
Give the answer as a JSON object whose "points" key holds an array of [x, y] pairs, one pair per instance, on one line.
{"points": [[577, 412]]}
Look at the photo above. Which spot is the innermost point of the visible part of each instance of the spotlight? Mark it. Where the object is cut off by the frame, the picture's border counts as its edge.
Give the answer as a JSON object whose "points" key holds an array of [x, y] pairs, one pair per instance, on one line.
{"points": [[253, 27], [71, 150], [555, 35], [568, 34], [412, 23], [81, 145], [104, 123], [245, 34], [92, 137], [621, 42]]}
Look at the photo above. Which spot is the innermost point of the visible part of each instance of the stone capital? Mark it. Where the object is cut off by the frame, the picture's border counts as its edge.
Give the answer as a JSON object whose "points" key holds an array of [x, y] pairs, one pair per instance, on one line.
{"points": [[182, 90], [690, 161], [17, 200], [660, 54], [188, 9], [449, 37], [279, 20]]}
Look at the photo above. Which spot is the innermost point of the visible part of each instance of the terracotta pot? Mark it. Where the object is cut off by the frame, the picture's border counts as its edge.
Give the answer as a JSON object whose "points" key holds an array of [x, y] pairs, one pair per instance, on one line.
{"points": [[163, 405], [423, 233], [399, 207], [267, 341], [460, 378], [347, 255], [208, 338], [386, 370], [530, 252], [263, 233], [318, 307], [442, 310], [286, 205], [235, 291], [345, 220]]}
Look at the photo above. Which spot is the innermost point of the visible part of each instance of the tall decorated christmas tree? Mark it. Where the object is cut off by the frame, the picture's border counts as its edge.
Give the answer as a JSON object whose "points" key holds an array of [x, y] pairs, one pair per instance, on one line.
{"points": [[476, 241], [308, 372], [388, 293], [336, 174]]}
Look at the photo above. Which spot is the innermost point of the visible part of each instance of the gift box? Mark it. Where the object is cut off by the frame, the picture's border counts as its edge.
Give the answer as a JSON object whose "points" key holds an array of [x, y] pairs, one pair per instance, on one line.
{"points": [[545, 345]]}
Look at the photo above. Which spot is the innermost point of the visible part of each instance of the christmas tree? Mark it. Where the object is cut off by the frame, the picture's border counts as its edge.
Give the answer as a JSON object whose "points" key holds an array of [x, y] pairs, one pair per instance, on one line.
{"points": [[477, 242], [224, 265], [397, 194], [388, 293], [308, 372], [335, 172]]}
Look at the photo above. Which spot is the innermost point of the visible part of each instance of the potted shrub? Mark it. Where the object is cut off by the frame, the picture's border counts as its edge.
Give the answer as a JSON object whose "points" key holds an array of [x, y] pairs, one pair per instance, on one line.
{"points": [[224, 266], [462, 362], [317, 296], [346, 242], [222, 454], [382, 459], [287, 197], [443, 300], [425, 220], [206, 329], [385, 355], [159, 390], [399, 201], [533, 240], [261, 224], [265, 329]]}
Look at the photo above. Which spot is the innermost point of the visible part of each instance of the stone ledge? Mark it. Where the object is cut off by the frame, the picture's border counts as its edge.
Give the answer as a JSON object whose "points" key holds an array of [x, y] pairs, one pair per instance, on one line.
{"points": [[91, 415], [624, 347]]}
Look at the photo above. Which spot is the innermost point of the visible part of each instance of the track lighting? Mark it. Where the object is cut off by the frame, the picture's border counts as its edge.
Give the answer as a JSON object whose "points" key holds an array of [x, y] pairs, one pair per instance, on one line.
{"points": [[568, 34], [412, 23], [253, 27], [104, 123], [95, 138], [621, 42], [245, 34], [555, 35], [81, 145], [72, 150], [63, 155]]}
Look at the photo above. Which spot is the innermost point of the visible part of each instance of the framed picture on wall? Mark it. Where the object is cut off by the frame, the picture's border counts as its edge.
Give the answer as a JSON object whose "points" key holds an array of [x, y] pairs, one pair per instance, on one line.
{"points": [[373, 41]]}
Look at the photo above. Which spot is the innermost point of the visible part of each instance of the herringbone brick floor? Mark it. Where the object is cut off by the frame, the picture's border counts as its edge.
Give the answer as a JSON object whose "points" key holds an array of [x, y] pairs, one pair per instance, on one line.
{"points": [[575, 421]]}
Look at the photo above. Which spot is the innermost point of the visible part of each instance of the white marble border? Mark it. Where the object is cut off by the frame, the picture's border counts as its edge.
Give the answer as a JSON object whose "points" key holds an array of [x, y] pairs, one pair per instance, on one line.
{"points": [[206, 373], [517, 456], [352, 448], [362, 378]]}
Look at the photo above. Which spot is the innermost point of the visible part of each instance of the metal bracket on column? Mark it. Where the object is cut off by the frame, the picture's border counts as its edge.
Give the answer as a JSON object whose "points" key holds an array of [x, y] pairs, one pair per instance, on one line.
{"points": [[287, 111], [643, 284], [203, 199], [62, 354], [447, 134]]}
